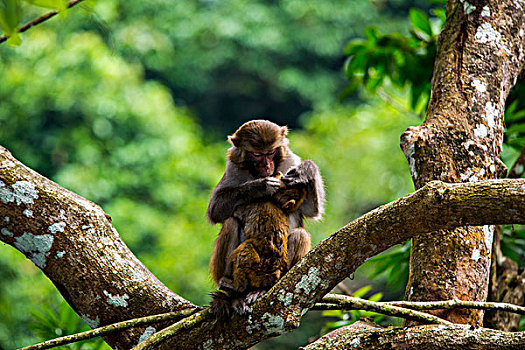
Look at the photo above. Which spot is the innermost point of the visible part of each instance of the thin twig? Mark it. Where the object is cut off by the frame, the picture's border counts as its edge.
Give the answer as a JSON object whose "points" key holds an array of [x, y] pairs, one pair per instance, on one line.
{"points": [[458, 304], [40, 19], [112, 328], [175, 328], [337, 301], [382, 308]]}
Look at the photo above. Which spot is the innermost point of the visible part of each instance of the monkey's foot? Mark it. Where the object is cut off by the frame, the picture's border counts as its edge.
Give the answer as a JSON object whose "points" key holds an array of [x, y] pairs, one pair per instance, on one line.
{"points": [[252, 297], [240, 306]]}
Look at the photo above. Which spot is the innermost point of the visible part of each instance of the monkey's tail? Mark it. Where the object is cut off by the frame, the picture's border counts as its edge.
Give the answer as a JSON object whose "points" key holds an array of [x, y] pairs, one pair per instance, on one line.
{"points": [[221, 304]]}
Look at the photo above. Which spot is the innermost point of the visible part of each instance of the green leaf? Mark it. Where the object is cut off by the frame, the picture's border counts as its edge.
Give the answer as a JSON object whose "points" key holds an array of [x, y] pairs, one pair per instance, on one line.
{"points": [[376, 297], [362, 291], [516, 128], [59, 5], [9, 17], [440, 13], [420, 22]]}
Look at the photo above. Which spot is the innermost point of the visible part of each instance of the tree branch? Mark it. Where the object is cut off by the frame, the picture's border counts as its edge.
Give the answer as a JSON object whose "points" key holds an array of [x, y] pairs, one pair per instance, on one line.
{"points": [[347, 302], [428, 337], [40, 19], [74, 244]]}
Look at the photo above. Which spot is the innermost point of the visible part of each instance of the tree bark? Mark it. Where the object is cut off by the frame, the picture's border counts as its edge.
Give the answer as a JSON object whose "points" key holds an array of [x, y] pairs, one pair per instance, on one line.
{"points": [[71, 240], [479, 58]]}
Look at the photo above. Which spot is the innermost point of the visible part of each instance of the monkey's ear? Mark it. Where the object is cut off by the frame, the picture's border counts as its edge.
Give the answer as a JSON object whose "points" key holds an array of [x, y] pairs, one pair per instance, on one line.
{"points": [[234, 140], [284, 131]]}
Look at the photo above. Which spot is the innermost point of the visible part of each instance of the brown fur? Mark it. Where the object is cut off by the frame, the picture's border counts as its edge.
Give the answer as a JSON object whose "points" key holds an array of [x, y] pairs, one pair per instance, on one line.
{"points": [[262, 258], [257, 136]]}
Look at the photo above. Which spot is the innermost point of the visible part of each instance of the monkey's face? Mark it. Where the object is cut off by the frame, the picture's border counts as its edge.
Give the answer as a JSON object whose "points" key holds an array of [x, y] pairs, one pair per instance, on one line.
{"points": [[263, 164]]}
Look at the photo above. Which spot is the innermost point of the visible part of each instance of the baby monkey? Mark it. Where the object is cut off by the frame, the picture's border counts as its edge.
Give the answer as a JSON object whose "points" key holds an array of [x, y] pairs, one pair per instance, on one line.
{"points": [[262, 258]]}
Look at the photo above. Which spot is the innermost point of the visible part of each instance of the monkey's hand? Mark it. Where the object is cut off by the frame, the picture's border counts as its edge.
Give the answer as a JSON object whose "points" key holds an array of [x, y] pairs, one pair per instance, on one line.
{"points": [[301, 174], [267, 186]]}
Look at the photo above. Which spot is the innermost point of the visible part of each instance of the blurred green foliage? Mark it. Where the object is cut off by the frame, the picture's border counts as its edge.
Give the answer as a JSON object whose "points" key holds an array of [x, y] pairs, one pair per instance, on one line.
{"points": [[232, 60]]}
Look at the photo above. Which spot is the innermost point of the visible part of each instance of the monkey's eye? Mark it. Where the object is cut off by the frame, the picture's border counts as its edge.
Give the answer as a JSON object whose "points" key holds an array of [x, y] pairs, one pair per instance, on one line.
{"points": [[258, 155]]}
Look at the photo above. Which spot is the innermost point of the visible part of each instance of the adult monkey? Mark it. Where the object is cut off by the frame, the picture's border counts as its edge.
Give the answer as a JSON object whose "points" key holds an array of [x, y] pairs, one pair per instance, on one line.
{"points": [[259, 151]]}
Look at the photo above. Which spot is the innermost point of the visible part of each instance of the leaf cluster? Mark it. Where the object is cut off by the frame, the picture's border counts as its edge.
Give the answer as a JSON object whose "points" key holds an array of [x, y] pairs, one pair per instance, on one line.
{"points": [[399, 59]]}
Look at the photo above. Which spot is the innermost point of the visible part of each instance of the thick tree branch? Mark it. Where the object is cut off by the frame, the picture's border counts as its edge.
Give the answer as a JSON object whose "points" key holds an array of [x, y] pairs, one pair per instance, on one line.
{"points": [[428, 337], [40, 19], [76, 247]]}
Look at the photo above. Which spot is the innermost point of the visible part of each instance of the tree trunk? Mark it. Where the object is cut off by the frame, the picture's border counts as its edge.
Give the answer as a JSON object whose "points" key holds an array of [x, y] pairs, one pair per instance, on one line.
{"points": [[479, 57]]}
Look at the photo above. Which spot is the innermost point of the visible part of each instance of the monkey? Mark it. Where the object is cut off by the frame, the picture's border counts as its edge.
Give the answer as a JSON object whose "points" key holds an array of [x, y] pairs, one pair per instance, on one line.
{"points": [[260, 151]]}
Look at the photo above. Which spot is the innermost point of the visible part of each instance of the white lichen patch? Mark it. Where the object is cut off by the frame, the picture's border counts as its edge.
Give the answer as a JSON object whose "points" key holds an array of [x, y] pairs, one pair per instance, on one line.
{"points": [[409, 154], [6, 219], [252, 326], [62, 214], [28, 212], [57, 227], [486, 34], [481, 131], [475, 254], [147, 333], [285, 298], [488, 230], [117, 300], [273, 324], [93, 323], [485, 12], [36, 248], [23, 192], [479, 85], [309, 281], [466, 176], [468, 8], [6, 195], [491, 114], [60, 254], [355, 342], [6, 232]]}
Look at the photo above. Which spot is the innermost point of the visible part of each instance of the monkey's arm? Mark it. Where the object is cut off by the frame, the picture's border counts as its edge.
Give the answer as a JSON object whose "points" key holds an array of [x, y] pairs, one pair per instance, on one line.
{"points": [[308, 173], [229, 195]]}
